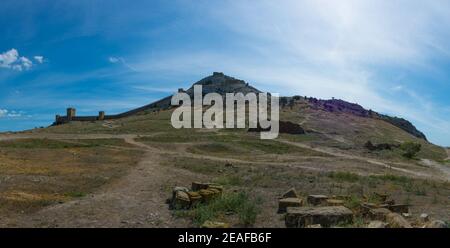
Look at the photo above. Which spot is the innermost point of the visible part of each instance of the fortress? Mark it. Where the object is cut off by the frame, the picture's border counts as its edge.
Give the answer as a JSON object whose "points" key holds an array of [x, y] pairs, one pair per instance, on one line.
{"points": [[217, 82], [71, 113]]}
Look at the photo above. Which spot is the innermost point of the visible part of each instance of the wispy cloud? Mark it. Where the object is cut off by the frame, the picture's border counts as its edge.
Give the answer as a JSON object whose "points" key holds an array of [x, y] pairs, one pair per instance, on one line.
{"points": [[11, 60], [120, 60], [4, 113]]}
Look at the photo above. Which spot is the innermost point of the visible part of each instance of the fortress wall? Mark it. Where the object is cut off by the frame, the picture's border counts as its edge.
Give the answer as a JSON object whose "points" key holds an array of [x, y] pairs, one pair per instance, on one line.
{"points": [[163, 104]]}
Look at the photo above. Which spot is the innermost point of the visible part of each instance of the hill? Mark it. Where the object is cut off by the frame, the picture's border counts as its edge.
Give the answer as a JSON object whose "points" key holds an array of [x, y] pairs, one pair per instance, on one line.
{"points": [[119, 172]]}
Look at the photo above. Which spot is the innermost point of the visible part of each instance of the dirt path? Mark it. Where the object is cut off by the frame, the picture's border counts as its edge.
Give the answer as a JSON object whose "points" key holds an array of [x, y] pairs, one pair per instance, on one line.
{"points": [[368, 160], [136, 200]]}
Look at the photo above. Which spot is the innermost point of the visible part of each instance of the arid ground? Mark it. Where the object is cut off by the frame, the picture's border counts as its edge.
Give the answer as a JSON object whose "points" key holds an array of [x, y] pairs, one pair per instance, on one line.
{"points": [[120, 173]]}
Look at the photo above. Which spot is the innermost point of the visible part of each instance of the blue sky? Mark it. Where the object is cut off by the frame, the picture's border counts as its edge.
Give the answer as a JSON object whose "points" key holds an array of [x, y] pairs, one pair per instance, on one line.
{"points": [[390, 56]]}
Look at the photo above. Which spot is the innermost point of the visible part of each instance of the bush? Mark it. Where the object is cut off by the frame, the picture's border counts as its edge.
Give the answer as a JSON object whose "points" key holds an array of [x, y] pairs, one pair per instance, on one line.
{"points": [[410, 149], [240, 204]]}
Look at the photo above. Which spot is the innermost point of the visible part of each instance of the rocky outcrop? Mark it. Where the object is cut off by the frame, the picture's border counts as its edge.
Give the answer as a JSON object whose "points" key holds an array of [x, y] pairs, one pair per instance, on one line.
{"points": [[341, 106]]}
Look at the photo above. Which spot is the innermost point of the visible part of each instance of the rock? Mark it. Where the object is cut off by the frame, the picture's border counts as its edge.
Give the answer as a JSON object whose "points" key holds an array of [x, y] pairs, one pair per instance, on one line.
{"points": [[399, 208], [283, 204], [406, 215], [181, 200], [292, 193], [195, 198], [365, 207], [316, 199], [424, 217], [379, 214], [314, 226], [325, 216], [184, 189], [395, 220], [377, 224], [334, 202], [215, 224], [196, 186], [207, 195], [436, 224], [215, 187]]}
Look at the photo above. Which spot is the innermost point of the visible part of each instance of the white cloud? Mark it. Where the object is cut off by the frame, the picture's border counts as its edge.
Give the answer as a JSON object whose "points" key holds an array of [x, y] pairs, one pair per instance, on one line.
{"points": [[11, 60], [4, 113], [114, 59], [39, 59]]}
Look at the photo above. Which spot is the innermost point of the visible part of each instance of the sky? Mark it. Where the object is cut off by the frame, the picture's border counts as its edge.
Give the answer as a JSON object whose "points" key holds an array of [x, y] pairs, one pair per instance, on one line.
{"points": [[389, 56]]}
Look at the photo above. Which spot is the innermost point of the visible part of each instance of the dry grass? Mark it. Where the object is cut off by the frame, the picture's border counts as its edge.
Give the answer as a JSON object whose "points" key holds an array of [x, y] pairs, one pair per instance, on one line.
{"points": [[38, 173]]}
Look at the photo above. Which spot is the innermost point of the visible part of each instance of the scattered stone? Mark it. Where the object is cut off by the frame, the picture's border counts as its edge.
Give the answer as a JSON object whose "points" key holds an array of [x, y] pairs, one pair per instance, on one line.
{"points": [[283, 204], [292, 193], [215, 187], [395, 220], [379, 214], [207, 195], [377, 224], [195, 198], [181, 200], [215, 224], [399, 208], [196, 186], [436, 224], [314, 226], [424, 217], [406, 215], [176, 189], [325, 216], [334, 202], [316, 199]]}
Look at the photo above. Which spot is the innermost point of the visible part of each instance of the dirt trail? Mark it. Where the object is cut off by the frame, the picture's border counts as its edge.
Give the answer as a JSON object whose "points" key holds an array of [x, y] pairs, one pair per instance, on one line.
{"points": [[368, 160], [136, 200]]}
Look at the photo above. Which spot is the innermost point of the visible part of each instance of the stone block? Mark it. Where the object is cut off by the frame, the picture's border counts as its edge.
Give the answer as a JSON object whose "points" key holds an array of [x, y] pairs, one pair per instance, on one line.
{"points": [[292, 193], [215, 224], [377, 224], [207, 195], [399, 208], [195, 198], [316, 199], [181, 200], [379, 213], [334, 202], [283, 204], [395, 220], [196, 186], [325, 216]]}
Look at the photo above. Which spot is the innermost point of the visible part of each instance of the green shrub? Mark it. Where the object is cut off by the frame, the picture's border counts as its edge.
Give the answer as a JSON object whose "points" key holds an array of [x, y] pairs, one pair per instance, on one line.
{"points": [[239, 204], [410, 149]]}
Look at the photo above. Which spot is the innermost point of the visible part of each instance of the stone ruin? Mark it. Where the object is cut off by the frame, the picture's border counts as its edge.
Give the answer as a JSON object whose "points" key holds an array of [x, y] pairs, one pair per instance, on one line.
{"points": [[71, 116], [184, 198], [324, 211]]}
